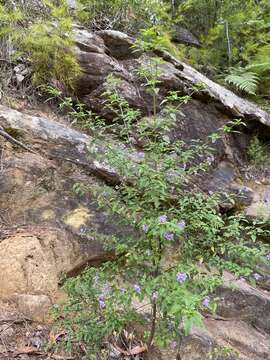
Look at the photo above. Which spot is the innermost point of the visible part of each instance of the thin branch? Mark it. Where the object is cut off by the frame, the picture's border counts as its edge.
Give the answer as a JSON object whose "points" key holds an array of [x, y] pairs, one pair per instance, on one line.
{"points": [[8, 61], [13, 141]]}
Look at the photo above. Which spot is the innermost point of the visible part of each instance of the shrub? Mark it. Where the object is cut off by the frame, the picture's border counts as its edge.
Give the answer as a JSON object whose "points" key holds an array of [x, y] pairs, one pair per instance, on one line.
{"points": [[180, 234]]}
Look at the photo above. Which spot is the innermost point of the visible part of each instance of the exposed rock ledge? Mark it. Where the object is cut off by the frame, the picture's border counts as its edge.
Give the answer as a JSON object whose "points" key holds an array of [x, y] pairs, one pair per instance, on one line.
{"points": [[113, 49]]}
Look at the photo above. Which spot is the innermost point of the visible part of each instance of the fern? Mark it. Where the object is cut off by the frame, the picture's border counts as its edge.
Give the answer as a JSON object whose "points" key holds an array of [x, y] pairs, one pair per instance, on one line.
{"points": [[244, 80]]}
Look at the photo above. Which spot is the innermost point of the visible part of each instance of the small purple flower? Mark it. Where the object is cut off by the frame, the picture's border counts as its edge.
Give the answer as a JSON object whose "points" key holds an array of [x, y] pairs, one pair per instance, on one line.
{"points": [[155, 295], [141, 154], [181, 224], [268, 256], [173, 344], [206, 302], [137, 288], [123, 290], [181, 277], [257, 276], [101, 302], [145, 227], [242, 279], [162, 219], [169, 236]]}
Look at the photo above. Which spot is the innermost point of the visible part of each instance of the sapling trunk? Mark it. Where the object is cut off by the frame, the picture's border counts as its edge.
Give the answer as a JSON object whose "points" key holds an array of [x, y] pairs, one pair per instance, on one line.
{"points": [[153, 325], [156, 264]]}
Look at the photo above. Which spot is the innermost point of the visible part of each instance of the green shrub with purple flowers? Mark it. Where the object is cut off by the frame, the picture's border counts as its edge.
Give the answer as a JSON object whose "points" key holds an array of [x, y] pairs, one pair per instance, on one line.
{"points": [[160, 277]]}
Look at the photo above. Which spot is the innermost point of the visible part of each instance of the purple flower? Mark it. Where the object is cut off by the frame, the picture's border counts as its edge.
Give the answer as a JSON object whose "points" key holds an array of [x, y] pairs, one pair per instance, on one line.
{"points": [[123, 290], [101, 302], [155, 295], [169, 236], [140, 154], [268, 256], [137, 288], [145, 227], [257, 276], [181, 224], [181, 277], [173, 344], [206, 302], [162, 219], [242, 279]]}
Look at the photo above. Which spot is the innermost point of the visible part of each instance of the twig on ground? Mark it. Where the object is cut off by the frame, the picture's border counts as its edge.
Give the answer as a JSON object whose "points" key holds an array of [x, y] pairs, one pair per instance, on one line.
{"points": [[14, 141]]}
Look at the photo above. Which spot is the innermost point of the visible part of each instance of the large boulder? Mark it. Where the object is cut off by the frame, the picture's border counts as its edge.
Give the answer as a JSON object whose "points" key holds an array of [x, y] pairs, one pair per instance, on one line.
{"points": [[46, 229], [34, 258]]}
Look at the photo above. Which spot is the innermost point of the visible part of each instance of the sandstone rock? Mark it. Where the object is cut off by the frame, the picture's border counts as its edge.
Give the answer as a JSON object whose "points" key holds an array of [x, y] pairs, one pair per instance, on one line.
{"points": [[184, 36], [222, 177], [225, 340], [260, 206], [58, 141], [243, 339], [118, 44], [87, 41], [198, 345], [35, 307], [240, 301], [33, 261], [185, 78]]}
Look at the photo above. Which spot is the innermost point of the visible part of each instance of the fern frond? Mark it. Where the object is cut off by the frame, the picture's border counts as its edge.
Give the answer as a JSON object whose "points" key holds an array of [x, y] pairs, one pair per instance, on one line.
{"points": [[244, 80], [259, 68]]}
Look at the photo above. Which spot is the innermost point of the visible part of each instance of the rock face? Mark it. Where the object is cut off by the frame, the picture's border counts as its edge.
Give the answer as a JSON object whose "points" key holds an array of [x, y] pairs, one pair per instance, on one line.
{"points": [[47, 230], [241, 331], [183, 36], [98, 62], [259, 208]]}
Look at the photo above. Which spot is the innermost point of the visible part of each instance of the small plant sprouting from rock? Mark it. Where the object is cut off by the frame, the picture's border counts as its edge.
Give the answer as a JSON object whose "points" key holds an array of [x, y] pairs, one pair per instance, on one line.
{"points": [[226, 352], [159, 277], [257, 151], [75, 110]]}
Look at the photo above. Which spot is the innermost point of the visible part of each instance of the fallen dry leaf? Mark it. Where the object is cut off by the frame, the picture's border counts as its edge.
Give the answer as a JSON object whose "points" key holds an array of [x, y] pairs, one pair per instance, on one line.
{"points": [[60, 357], [27, 350], [55, 337], [136, 350]]}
